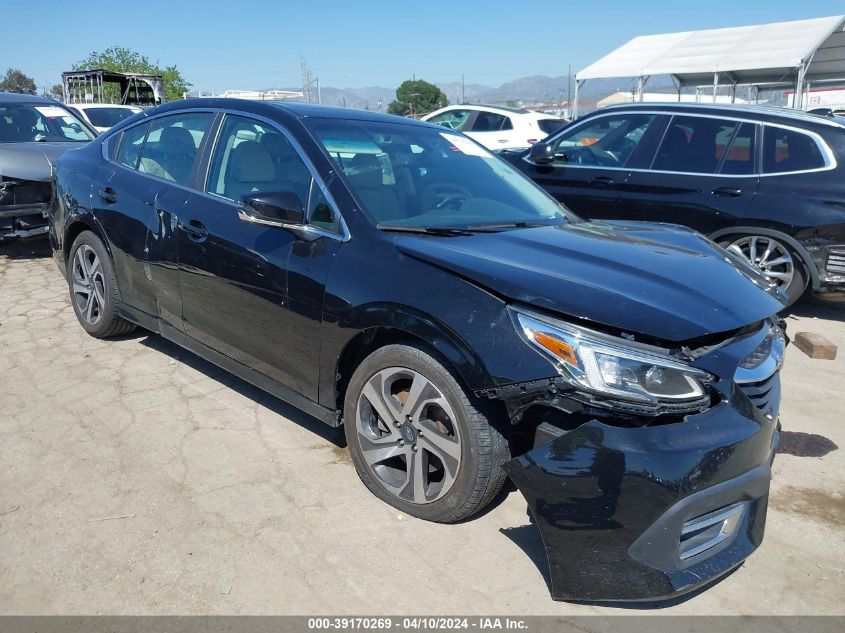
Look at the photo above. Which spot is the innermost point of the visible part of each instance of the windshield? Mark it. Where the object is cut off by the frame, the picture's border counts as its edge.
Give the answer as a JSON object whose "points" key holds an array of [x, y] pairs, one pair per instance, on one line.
{"points": [[108, 117], [26, 123], [420, 177]]}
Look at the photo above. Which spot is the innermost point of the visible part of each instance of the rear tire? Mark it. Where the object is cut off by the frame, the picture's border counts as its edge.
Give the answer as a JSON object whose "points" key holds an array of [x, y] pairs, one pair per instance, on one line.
{"points": [[94, 294], [418, 440], [773, 258]]}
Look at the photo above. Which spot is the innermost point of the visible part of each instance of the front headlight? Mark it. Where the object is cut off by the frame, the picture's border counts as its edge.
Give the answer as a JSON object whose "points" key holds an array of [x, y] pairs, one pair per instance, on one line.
{"points": [[609, 366]]}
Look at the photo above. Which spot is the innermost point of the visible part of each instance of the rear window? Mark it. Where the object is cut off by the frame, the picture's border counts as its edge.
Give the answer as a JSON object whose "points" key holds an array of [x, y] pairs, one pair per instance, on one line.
{"points": [[107, 117], [789, 150], [550, 126]]}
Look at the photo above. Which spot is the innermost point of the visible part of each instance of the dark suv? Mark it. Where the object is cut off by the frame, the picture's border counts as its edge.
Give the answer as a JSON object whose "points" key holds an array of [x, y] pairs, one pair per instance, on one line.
{"points": [[400, 280], [765, 183]]}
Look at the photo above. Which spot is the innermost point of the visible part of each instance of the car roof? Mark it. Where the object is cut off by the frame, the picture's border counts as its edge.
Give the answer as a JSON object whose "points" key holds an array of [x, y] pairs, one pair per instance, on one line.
{"points": [[751, 111], [495, 108], [91, 106], [14, 97], [290, 108]]}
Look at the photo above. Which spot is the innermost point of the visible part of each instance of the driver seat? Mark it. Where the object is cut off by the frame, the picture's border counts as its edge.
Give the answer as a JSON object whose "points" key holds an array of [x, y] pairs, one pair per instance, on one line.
{"points": [[380, 201]]}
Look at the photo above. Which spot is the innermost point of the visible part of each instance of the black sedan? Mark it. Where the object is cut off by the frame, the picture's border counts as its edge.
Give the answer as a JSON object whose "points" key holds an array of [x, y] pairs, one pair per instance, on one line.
{"points": [[398, 279], [765, 183], [34, 131]]}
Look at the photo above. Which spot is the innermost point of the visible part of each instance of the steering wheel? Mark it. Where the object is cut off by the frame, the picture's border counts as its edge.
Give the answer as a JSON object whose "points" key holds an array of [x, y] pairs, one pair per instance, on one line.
{"points": [[449, 194]]}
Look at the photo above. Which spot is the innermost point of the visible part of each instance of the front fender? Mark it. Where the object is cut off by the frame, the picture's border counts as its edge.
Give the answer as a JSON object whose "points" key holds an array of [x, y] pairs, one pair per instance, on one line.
{"points": [[472, 330]]}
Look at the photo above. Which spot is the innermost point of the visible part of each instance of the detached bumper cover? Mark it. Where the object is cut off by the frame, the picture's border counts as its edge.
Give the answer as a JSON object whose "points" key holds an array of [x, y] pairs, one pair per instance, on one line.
{"points": [[651, 512]]}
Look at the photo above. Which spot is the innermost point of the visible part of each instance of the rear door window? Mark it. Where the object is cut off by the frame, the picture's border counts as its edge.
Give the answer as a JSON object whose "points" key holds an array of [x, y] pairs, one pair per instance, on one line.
{"points": [[740, 154], [789, 150], [131, 144], [173, 144], [695, 144], [491, 122]]}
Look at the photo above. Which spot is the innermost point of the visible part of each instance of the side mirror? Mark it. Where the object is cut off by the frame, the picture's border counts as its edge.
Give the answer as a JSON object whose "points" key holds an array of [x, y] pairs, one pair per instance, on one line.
{"points": [[541, 154], [274, 208]]}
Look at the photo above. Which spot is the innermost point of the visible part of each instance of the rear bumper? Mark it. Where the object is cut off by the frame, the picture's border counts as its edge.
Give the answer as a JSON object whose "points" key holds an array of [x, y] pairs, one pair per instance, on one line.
{"points": [[650, 513]]}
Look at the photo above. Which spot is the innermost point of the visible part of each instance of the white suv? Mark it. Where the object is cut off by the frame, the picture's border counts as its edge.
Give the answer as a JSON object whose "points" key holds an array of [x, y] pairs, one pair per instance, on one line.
{"points": [[497, 127]]}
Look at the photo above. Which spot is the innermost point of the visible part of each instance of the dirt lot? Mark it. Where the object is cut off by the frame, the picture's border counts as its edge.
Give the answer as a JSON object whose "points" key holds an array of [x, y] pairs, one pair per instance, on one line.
{"points": [[137, 478]]}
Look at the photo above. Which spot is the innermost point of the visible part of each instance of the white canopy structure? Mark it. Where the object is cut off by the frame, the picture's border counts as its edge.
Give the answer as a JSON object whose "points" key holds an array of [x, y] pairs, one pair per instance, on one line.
{"points": [[791, 54]]}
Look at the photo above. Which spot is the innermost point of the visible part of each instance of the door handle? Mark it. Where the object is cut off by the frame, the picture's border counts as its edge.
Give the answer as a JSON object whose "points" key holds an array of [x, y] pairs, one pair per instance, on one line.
{"points": [[603, 181], [729, 192], [107, 195], [195, 231]]}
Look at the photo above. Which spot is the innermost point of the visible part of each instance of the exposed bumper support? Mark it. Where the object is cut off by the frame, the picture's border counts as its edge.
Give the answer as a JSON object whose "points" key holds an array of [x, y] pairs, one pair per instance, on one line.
{"points": [[23, 221]]}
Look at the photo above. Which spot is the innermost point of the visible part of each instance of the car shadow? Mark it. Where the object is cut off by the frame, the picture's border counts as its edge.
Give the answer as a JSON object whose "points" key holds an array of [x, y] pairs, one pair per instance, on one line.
{"points": [[259, 396], [27, 248], [812, 306], [528, 539]]}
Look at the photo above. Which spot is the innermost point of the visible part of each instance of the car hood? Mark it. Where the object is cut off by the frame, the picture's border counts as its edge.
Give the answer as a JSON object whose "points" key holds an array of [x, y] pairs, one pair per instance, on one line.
{"points": [[662, 281], [31, 161]]}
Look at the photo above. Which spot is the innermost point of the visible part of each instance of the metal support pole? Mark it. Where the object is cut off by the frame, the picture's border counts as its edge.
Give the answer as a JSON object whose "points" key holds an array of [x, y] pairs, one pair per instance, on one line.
{"points": [[641, 81], [574, 110], [798, 100], [715, 85]]}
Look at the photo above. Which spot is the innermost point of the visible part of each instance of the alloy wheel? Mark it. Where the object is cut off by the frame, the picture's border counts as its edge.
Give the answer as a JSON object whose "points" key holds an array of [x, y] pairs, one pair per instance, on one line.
{"points": [[409, 435], [88, 284], [768, 256]]}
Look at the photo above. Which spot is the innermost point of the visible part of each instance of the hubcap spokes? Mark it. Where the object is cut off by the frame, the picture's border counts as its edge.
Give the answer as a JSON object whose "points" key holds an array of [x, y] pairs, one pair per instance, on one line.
{"points": [[88, 284], [768, 256], [408, 435]]}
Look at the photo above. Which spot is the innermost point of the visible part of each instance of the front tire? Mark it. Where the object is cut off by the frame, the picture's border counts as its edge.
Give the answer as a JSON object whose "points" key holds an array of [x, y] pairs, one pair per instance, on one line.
{"points": [[94, 294], [418, 440]]}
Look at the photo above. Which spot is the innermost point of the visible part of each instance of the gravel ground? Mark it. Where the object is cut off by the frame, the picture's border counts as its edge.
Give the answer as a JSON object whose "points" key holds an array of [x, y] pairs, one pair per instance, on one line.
{"points": [[136, 478]]}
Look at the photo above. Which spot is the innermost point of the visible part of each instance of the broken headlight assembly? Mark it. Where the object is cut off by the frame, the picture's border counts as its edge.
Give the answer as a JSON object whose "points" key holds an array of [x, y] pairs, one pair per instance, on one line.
{"points": [[612, 367]]}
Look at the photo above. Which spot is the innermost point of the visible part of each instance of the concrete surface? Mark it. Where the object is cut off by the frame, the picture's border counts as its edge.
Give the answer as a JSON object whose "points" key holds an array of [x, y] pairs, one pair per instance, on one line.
{"points": [[137, 479]]}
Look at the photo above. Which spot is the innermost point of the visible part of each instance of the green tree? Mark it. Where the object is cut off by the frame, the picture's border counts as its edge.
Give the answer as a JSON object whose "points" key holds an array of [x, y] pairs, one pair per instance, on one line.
{"points": [[417, 97], [124, 60], [15, 81], [55, 92]]}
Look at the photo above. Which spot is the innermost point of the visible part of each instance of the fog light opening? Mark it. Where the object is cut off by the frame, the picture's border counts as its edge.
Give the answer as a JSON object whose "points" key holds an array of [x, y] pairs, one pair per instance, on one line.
{"points": [[709, 530]]}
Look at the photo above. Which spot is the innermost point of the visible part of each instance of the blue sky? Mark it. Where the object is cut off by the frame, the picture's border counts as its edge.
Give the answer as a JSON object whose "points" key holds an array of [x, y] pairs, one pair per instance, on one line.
{"points": [[255, 44]]}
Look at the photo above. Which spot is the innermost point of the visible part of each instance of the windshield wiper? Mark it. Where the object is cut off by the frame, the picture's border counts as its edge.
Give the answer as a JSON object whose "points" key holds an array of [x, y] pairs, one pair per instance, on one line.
{"points": [[429, 230], [500, 226]]}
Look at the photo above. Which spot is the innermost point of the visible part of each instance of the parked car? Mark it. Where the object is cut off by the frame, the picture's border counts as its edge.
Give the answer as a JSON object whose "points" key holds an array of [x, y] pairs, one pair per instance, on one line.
{"points": [[399, 279], [497, 127], [34, 131], [102, 116], [768, 184]]}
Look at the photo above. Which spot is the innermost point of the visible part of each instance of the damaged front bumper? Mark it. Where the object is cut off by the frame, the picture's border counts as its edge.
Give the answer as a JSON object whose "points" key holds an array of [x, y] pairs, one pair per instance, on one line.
{"points": [[26, 220], [651, 512], [23, 207]]}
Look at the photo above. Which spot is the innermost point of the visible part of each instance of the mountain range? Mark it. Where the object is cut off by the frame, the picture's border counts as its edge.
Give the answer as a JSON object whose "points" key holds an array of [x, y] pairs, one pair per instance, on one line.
{"points": [[533, 89]]}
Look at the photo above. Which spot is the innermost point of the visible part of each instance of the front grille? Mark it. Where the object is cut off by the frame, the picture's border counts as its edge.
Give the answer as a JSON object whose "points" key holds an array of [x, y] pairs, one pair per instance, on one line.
{"points": [[836, 261], [765, 395]]}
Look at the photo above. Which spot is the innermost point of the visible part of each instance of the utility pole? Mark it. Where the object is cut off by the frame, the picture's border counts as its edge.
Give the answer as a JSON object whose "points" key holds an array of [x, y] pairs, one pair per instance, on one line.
{"points": [[463, 90], [310, 85]]}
